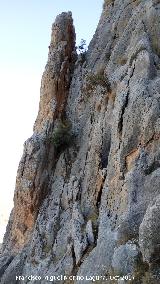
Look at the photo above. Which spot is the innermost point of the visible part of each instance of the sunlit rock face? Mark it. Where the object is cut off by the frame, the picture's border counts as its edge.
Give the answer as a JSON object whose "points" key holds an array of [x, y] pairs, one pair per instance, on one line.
{"points": [[38, 161], [88, 185]]}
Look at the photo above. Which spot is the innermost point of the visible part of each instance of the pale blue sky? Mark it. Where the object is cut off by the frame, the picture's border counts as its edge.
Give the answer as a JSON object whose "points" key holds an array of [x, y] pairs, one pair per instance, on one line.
{"points": [[25, 29]]}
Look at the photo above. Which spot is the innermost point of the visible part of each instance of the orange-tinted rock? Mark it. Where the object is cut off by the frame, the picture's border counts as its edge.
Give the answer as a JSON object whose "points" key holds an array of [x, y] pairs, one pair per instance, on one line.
{"points": [[38, 160]]}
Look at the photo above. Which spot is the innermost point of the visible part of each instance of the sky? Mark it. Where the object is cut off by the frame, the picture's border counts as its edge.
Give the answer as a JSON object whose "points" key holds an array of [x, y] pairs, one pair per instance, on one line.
{"points": [[25, 29]]}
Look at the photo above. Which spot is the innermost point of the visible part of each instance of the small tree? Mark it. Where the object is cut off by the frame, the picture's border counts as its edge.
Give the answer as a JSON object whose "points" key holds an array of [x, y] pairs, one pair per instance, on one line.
{"points": [[62, 136], [82, 47]]}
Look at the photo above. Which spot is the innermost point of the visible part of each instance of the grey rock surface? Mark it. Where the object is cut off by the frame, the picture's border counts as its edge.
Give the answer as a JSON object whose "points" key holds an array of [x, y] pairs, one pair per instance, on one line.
{"points": [[14, 269], [4, 263], [125, 259], [149, 236], [91, 207]]}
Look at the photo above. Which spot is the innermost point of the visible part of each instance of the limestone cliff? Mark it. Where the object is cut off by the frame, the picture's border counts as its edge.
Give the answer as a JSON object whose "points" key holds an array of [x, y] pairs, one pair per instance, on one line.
{"points": [[87, 197]]}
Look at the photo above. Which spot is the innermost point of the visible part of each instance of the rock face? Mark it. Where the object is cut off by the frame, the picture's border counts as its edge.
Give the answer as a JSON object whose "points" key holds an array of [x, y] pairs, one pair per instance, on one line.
{"points": [[38, 162], [87, 194]]}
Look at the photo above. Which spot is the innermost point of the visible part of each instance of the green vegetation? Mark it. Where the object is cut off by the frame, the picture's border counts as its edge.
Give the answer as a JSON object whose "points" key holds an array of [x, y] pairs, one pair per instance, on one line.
{"points": [[107, 2], [62, 135], [122, 61], [47, 249], [82, 47], [82, 51], [93, 80]]}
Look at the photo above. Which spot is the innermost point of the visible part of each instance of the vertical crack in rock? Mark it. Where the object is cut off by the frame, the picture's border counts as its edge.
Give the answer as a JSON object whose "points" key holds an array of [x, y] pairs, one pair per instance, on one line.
{"points": [[125, 104]]}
